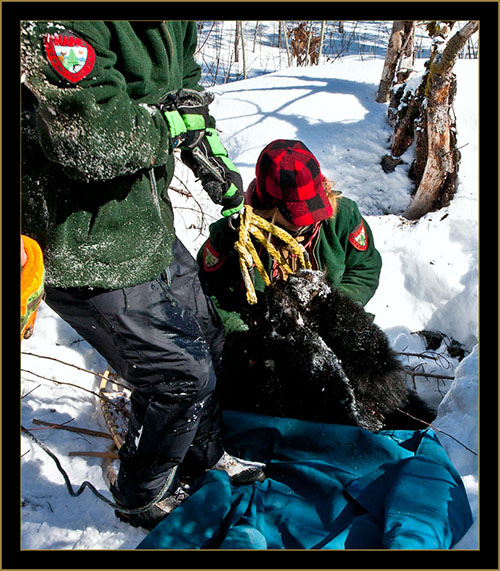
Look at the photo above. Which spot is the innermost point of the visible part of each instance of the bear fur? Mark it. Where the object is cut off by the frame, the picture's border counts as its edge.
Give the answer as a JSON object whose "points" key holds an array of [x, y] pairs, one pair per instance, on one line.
{"points": [[311, 353]]}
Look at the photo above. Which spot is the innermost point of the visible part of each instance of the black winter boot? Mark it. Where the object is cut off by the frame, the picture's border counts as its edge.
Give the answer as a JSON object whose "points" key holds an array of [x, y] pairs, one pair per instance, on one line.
{"points": [[149, 515], [152, 516]]}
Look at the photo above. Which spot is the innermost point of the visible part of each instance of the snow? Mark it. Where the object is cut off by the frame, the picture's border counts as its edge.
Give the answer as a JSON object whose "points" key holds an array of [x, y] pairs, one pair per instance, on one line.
{"points": [[429, 281]]}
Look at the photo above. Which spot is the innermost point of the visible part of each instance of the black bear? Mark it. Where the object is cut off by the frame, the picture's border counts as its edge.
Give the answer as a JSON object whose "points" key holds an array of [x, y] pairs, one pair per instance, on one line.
{"points": [[314, 354]]}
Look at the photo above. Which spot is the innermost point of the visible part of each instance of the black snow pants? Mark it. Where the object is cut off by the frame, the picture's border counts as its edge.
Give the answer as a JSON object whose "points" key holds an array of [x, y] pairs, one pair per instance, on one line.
{"points": [[164, 338]]}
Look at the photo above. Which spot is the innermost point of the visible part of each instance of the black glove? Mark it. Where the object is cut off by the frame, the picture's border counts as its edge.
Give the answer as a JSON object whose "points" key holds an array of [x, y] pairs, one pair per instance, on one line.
{"points": [[186, 112], [218, 175]]}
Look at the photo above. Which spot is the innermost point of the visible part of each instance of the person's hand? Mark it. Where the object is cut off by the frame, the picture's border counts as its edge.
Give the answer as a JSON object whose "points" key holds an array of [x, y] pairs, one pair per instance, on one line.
{"points": [[186, 112], [217, 173]]}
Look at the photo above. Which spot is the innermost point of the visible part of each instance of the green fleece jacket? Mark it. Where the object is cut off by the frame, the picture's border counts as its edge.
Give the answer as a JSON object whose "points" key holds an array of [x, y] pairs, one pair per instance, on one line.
{"points": [[344, 248], [97, 155]]}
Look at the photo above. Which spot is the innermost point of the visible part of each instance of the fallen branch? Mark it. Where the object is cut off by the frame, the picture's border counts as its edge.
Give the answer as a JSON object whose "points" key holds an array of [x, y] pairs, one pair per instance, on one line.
{"points": [[420, 355], [437, 430], [63, 383], [186, 193], [24, 395], [110, 455], [430, 355], [63, 363], [429, 375], [98, 395], [77, 429]]}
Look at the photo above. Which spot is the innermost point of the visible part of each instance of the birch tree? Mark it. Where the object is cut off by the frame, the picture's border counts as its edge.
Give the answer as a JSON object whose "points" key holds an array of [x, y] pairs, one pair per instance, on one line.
{"points": [[437, 154], [399, 57]]}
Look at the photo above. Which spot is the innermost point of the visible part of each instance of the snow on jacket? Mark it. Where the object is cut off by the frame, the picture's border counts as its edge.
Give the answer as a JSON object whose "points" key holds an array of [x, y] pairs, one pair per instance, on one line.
{"points": [[97, 155], [344, 248]]}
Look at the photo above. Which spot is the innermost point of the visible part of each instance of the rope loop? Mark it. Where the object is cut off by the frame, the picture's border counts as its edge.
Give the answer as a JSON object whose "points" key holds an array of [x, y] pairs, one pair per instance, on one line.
{"points": [[253, 225]]}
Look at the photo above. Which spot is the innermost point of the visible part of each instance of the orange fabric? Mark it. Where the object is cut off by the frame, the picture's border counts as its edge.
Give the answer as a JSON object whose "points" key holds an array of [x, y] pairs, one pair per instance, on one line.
{"points": [[32, 279]]}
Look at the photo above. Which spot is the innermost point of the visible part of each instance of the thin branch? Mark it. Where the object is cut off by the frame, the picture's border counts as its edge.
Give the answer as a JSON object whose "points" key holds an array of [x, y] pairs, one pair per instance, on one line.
{"points": [[49, 424], [437, 429], [440, 358], [182, 192], [420, 355], [77, 429], [205, 41], [429, 375], [62, 363], [108, 454], [29, 392], [188, 194], [98, 395]]}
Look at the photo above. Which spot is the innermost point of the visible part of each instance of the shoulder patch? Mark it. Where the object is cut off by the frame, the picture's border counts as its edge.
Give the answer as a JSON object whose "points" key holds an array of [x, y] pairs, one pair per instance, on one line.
{"points": [[212, 260], [71, 56], [358, 237]]}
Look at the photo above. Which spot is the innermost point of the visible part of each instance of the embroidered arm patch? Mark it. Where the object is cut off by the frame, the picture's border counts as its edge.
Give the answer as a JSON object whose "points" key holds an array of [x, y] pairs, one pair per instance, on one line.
{"points": [[212, 260], [71, 56], [358, 237]]}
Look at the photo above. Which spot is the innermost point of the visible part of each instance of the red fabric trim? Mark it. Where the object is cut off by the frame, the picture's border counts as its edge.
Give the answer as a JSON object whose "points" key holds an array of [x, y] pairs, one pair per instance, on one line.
{"points": [[68, 40], [356, 237], [212, 260]]}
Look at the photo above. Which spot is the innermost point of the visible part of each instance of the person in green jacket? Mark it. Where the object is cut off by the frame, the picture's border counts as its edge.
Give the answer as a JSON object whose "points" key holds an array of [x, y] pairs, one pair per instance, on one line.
{"points": [[104, 106], [290, 191]]}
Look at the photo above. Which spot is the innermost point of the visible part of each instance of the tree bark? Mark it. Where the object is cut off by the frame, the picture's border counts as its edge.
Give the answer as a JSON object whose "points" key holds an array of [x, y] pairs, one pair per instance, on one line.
{"points": [[407, 55], [309, 37], [321, 40], [237, 42], [439, 175], [286, 44], [391, 61], [255, 36], [404, 115], [243, 55]]}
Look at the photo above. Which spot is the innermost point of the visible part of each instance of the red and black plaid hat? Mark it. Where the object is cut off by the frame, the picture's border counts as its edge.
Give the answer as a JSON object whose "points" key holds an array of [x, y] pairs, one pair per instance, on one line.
{"points": [[289, 177]]}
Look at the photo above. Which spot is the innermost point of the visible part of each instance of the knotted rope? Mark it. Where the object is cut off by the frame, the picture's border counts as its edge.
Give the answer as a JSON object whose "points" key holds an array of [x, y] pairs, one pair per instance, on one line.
{"points": [[253, 225]]}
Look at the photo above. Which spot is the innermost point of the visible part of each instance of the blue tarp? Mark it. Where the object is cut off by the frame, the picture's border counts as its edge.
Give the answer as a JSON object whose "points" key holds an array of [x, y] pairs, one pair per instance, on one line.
{"points": [[328, 487]]}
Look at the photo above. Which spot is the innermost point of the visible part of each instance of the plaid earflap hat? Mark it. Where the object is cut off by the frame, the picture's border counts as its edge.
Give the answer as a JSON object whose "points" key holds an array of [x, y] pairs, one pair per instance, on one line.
{"points": [[289, 177]]}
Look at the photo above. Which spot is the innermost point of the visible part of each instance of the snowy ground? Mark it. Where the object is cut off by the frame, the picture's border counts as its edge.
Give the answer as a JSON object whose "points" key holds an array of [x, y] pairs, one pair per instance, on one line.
{"points": [[429, 281]]}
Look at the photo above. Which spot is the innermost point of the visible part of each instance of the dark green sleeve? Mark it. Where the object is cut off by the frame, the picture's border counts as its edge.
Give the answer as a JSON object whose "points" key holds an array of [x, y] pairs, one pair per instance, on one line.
{"points": [[219, 267], [362, 267], [93, 129]]}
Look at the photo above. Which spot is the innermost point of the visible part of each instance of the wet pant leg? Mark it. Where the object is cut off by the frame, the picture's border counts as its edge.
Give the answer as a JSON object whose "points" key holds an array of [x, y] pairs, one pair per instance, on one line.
{"points": [[151, 336]]}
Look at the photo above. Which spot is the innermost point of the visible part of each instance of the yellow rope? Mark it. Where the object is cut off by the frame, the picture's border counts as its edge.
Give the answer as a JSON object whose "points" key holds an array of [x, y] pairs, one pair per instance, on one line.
{"points": [[251, 224]]}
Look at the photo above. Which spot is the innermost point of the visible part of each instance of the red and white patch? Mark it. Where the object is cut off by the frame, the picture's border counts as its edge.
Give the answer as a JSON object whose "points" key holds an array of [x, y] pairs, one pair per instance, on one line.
{"points": [[69, 55], [212, 260], [358, 237]]}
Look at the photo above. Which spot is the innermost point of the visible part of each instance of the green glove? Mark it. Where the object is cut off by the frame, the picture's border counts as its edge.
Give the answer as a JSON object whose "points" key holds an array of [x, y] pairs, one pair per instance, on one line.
{"points": [[218, 175], [186, 113]]}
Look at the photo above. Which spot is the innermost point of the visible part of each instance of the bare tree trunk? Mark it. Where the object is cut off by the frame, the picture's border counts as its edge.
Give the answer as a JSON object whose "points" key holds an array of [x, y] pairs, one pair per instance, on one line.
{"points": [[243, 55], [391, 61], [255, 35], [404, 114], [441, 165], [407, 55], [308, 48], [237, 42], [321, 40], [286, 44]]}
